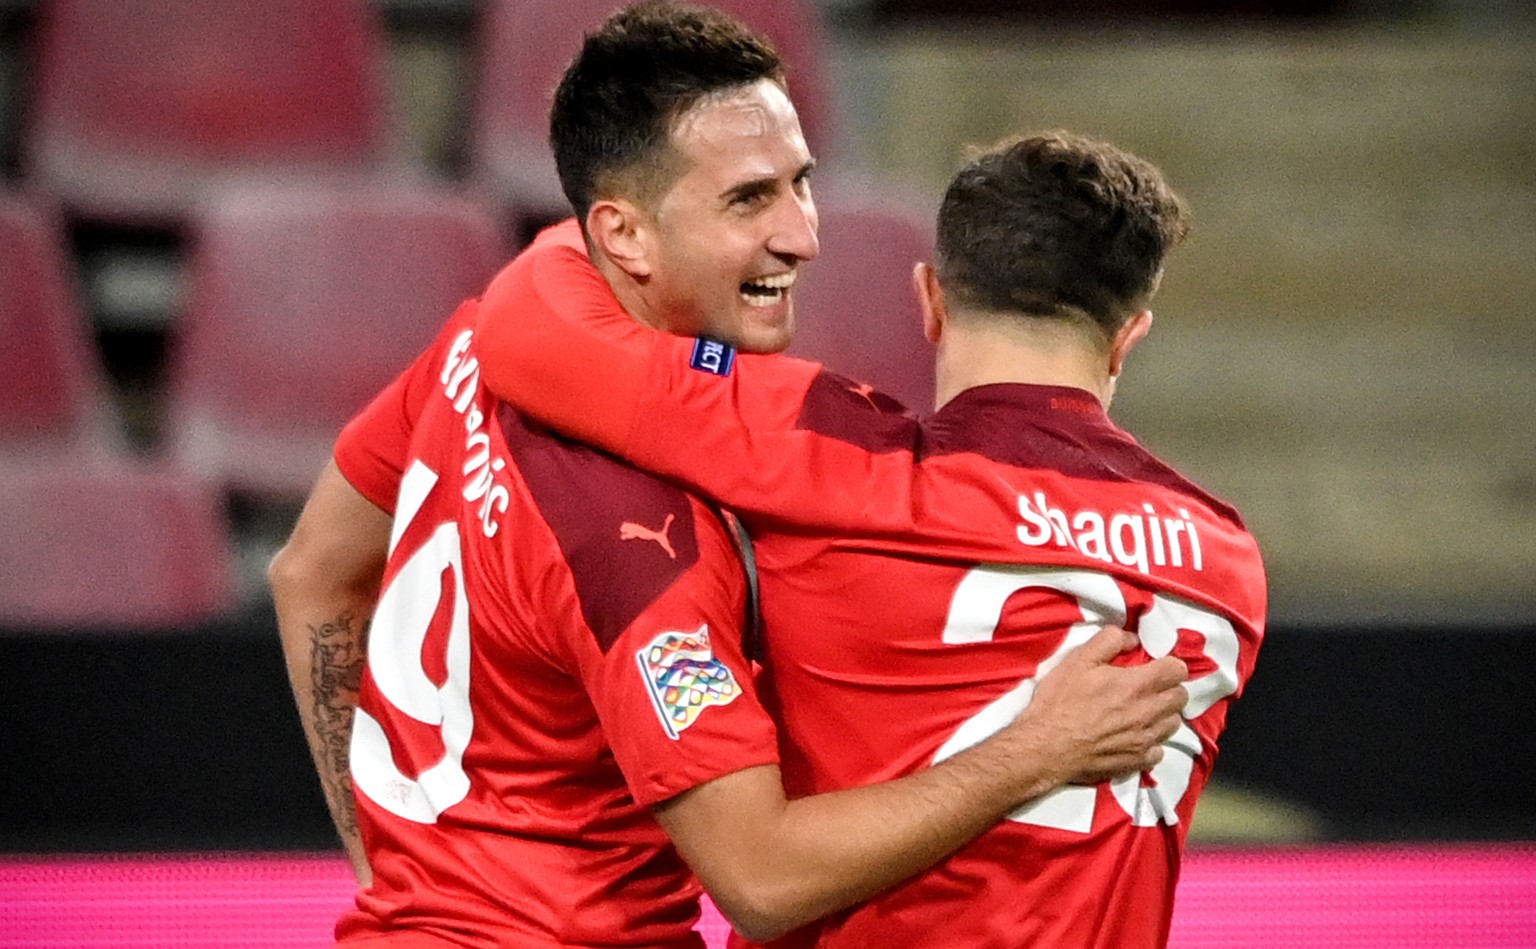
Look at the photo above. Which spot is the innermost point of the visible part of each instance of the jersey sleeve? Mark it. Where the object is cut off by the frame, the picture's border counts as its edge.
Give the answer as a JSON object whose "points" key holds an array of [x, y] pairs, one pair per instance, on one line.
{"points": [[674, 691], [768, 436], [372, 448]]}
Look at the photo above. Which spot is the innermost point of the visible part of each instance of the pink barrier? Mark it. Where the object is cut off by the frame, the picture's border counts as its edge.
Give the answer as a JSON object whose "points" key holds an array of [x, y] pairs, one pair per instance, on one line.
{"points": [[1444, 897]]}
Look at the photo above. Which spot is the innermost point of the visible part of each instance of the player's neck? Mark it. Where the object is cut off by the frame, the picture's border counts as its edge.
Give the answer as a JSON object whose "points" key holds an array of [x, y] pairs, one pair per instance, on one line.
{"points": [[629, 293], [981, 354]]}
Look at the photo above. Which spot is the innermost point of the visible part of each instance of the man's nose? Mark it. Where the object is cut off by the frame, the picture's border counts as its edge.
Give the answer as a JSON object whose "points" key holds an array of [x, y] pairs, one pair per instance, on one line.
{"points": [[794, 233]]}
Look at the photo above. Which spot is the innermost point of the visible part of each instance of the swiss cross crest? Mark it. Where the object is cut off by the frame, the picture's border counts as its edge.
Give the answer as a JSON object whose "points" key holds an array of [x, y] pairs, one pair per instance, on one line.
{"points": [[684, 678]]}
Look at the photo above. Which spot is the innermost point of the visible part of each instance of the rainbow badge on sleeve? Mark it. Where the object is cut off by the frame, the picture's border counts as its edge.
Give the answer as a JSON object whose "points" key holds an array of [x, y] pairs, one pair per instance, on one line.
{"points": [[684, 678]]}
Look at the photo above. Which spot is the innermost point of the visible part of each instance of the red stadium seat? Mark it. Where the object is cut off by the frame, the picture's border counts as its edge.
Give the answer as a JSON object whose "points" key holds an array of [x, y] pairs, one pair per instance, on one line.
{"points": [[855, 307], [52, 393], [140, 108], [95, 544], [525, 46], [302, 303]]}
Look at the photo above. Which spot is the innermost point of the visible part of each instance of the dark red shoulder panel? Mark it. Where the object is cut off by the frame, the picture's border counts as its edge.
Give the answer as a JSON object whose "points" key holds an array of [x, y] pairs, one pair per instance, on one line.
{"points": [[855, 413], [1055, 428], [1025, 426], [627, 536]]}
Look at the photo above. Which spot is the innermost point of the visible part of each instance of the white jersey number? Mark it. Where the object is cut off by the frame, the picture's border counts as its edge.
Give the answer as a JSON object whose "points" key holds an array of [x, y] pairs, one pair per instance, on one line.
{"points": [[395, 642], [974, 613]]}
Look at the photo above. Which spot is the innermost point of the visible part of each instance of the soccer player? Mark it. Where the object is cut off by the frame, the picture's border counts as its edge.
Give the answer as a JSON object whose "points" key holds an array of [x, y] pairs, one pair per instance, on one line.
{"points": [[555, 663], [919, 577]]}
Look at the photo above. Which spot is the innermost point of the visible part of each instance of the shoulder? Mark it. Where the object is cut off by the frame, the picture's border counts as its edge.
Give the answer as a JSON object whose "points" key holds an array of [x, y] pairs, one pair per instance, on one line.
{"points": [[556, 263], [626, 536], [841, 409]]}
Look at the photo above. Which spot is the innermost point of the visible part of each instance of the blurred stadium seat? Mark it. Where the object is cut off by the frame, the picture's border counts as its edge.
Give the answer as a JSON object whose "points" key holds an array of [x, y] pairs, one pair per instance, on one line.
{"points": [[302, 304], [139, 109], [525, 45], [91, 543], [53, 394], [855, 307]]}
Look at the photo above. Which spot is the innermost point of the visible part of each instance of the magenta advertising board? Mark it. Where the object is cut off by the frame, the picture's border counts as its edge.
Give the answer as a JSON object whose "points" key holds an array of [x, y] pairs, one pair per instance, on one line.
{"points": [[1340, 897]]}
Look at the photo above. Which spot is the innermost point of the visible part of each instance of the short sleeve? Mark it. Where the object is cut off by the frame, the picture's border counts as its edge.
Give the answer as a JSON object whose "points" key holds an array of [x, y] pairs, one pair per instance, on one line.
{"points": [[372, 449], [674, 690]]}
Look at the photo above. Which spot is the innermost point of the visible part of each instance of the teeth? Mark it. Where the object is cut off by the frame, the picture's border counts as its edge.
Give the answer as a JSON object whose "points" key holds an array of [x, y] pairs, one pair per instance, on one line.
{"points": [[766, 291], [762, 297], [781, 281]]}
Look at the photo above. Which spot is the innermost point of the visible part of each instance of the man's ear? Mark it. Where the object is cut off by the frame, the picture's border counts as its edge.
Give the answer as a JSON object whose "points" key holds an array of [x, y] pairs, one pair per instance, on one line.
{"points": [[1132, 332], [930, 299], [618, 230]]}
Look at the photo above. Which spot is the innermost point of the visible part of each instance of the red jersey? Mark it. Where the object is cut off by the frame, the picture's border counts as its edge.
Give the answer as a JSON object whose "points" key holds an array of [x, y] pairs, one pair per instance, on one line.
{"points": [[917, 578], [556, 648]]}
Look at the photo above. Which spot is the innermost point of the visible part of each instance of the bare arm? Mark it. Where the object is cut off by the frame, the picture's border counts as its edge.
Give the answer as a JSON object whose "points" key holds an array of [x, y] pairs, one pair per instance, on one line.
{"points": [[325, 583], [772, 864]]}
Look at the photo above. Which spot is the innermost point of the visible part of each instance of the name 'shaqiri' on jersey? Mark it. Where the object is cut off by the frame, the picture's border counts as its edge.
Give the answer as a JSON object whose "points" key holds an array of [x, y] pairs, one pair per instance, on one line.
{"points": [[461, 384], [1141, 539]]}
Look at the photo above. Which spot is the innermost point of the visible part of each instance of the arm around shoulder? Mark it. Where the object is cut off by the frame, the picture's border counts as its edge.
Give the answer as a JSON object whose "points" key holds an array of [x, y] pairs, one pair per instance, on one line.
{"points": [[772, 864]]}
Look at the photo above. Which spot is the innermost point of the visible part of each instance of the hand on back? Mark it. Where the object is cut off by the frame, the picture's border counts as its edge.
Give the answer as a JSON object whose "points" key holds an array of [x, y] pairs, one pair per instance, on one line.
{"points": [[1103, 720]]}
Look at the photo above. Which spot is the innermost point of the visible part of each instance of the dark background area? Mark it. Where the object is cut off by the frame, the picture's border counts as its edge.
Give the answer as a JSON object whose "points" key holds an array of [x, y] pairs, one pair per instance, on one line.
{"points": [[188, 740]]}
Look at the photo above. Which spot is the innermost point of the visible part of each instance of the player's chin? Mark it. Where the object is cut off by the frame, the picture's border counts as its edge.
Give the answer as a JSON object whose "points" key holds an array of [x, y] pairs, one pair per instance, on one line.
{"points": [[766, 329]]}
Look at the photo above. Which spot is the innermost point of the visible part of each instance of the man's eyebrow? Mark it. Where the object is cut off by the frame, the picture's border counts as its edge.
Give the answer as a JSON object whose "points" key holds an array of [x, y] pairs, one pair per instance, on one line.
{"points": [[753, 187]]}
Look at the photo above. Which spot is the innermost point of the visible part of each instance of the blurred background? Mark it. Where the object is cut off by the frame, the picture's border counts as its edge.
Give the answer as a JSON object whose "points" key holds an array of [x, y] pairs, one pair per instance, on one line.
{"points": [[224, 224]]}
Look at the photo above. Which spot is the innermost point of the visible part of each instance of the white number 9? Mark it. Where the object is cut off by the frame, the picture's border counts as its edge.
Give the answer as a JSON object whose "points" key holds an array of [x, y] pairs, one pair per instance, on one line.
{"points": [[395, 642]]}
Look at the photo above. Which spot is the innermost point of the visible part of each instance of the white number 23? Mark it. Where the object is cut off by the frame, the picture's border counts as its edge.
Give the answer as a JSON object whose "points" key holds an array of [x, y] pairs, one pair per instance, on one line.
{"points": [[974, 613]]}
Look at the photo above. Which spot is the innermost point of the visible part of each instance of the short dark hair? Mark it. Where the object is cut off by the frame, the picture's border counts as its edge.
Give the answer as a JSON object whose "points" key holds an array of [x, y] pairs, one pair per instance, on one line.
{"points": [[645, 66], [1057, 225]]}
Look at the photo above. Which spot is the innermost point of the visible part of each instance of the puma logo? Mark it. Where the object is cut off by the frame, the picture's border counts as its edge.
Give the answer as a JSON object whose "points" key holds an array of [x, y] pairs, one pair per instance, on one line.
{"points": [[629, 530], [864, 389]]}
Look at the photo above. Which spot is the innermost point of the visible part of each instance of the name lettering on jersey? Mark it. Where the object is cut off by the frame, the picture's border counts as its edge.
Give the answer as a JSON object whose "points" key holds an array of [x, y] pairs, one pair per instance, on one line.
{"points": [[1142, 540], [683, 678], [629, 530], [712, 357], [461, 380]]}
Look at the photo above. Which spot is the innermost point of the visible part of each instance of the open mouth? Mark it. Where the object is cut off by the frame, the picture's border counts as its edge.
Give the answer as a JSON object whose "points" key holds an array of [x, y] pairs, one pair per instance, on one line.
{"points": [[767, 291]]}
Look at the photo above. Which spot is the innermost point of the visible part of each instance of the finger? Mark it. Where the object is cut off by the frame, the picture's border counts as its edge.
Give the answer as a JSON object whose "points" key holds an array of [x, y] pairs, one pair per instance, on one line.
{"points": [[1159, 677], [1163, 711], [1167, 726], [1105, 645], [1167, 672], [1180, 697]]}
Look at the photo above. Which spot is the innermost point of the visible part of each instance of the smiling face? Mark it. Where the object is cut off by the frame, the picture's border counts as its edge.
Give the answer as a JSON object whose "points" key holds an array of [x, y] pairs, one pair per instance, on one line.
{"points": [[723, 244]]}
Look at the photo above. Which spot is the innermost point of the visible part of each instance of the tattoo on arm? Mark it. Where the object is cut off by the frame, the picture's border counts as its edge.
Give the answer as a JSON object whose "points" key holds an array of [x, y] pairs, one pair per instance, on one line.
{"points": [[337, 651]]}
